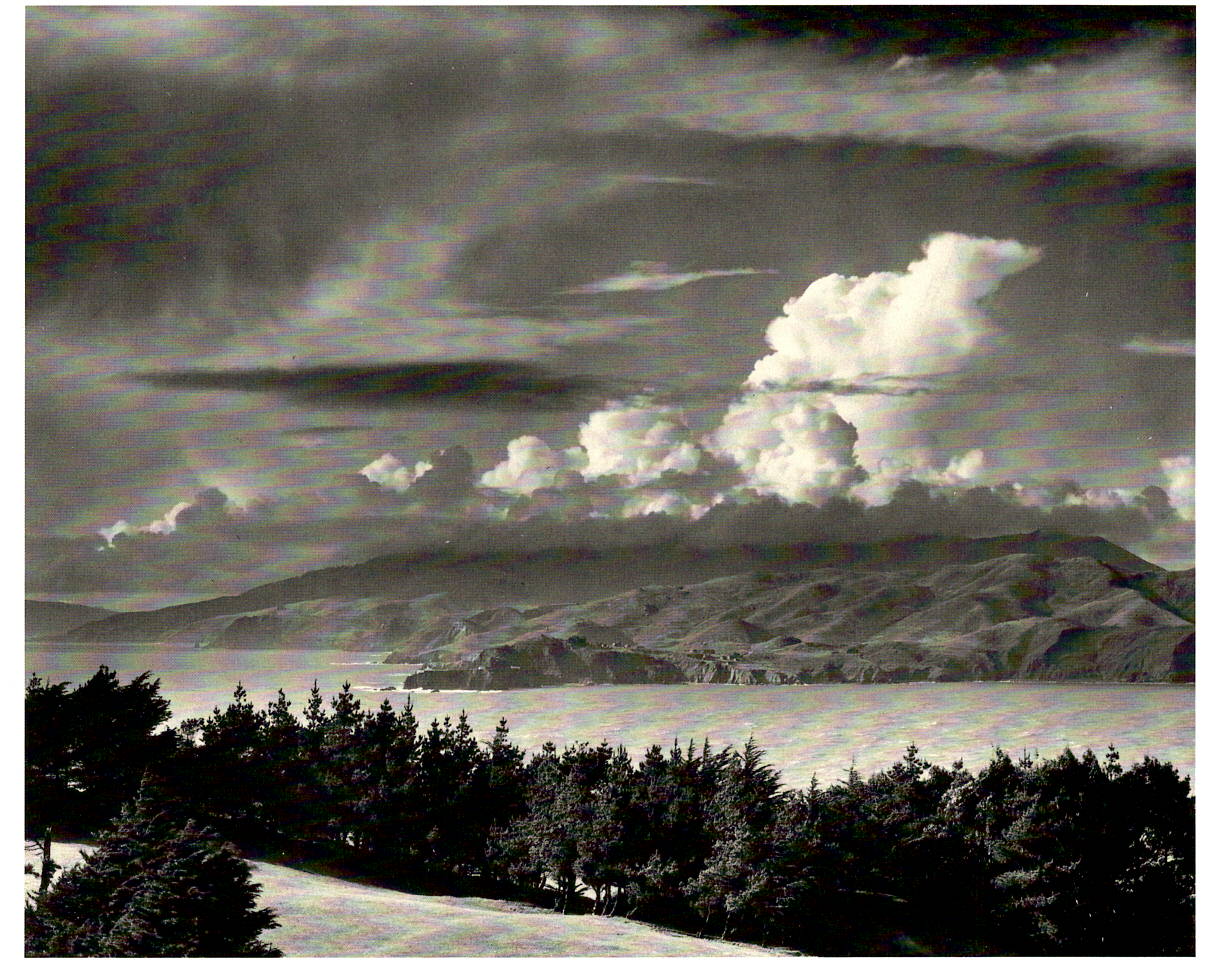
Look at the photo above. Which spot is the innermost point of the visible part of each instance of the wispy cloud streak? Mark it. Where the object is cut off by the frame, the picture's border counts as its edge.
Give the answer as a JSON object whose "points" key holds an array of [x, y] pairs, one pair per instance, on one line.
{"points": [[1160, 347], [651, 276]]}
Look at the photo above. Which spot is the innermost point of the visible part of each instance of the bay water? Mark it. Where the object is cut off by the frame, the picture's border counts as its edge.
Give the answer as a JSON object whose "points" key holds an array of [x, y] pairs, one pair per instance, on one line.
{"points": [[805, 730]]}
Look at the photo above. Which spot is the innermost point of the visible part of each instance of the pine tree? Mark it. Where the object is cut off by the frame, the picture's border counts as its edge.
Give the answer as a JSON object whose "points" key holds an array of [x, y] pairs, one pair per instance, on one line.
{"points": [[284, 802], [339, 767], [50, 793], [231, 769], [736, 884], [610, 842], [153, 887], [88, 748], [314, 811]]}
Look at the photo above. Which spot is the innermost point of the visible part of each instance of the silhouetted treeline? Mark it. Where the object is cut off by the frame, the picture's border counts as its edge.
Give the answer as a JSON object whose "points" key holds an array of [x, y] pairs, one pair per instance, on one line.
{"points": [[1069, 855]]}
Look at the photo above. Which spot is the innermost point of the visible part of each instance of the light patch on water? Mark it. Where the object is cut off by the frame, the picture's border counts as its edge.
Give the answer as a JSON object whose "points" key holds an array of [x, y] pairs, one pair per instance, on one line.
{"points": [[805, 730]]}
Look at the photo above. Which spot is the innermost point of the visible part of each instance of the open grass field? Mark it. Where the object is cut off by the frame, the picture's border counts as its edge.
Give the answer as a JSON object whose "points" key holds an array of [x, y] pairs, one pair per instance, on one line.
{"points": [[323, 916]]}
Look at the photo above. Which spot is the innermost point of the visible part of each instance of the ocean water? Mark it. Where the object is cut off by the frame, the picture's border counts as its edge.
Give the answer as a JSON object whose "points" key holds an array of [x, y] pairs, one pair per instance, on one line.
{"points": [[805, 730]]}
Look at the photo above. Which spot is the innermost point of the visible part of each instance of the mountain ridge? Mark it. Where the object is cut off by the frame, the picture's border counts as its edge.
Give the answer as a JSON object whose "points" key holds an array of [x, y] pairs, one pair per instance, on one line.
{"points": [[47, 618], [1041, 605], [393, 574]]}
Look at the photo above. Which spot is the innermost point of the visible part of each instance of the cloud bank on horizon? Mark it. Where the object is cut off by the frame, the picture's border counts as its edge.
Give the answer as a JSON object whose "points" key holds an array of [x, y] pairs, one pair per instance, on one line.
{"points": [[639, 458], [308, 285]]}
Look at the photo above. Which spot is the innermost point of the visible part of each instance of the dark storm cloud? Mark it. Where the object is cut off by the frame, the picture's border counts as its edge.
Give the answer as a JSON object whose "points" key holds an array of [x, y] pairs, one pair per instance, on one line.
{"points": [[209, 506], [153, 192], [448, 481], [1007, 35], [145, 191], [918, 509], [323, 430], [469, 385], [209, 158]]}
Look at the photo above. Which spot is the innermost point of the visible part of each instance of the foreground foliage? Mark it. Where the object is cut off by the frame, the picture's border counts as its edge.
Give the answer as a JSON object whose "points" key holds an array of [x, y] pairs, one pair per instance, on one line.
{"points": [[1067, 855], [151, 888]]}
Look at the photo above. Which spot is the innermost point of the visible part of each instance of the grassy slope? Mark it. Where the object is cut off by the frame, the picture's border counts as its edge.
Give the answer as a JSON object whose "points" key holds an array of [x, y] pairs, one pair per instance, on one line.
{"points": [[322, 916]]}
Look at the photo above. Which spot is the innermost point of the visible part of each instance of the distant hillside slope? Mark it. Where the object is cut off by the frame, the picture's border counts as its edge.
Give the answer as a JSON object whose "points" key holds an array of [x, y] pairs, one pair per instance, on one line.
{"points": [[1025, 607], [1020, 616], [46, 618], [472, 582]]}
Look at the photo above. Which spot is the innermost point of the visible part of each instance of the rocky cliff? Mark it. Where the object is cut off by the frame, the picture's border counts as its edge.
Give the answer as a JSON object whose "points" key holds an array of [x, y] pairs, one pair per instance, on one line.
{"points": [[1017, 617], [545, 661]]}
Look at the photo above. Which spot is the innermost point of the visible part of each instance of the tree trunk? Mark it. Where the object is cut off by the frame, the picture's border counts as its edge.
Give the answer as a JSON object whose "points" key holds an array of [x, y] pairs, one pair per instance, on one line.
{"points": [[48, 866]]}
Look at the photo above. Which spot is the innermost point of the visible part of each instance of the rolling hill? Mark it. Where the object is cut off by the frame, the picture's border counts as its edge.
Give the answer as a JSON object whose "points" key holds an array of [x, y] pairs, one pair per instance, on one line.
{"points": [[1028, 607], [322, 916], [47, 618]]}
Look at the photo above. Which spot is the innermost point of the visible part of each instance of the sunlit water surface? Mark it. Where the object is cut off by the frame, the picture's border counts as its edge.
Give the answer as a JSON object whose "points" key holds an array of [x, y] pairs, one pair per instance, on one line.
{"points": [[806, 730]]}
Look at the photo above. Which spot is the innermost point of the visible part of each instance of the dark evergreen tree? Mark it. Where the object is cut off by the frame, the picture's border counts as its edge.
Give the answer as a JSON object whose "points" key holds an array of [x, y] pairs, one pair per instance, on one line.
{"points": [[549, 830], [675, 794], [313, 780], [374, 770], [1065, 856], [500, 801], [451, 786], [737, 885], [285, 802], [340, 767], [117, 739], [90, 747], [153, 887], [1088, 850], [610, 843], [231, 773], [402, 811], [50, 788], [1156, 875]]}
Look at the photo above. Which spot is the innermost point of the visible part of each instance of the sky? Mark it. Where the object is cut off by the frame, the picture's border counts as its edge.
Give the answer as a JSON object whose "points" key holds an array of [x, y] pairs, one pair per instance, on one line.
{"points": [[308, 285]]}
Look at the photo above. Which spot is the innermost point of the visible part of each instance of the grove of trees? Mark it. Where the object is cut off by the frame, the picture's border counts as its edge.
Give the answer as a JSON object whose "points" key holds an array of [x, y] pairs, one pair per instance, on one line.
{"points": [[1071, 855]]}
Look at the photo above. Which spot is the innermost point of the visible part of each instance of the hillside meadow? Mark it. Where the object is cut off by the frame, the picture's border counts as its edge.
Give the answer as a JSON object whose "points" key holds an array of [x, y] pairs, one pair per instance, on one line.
{"points": [[321, 916]]}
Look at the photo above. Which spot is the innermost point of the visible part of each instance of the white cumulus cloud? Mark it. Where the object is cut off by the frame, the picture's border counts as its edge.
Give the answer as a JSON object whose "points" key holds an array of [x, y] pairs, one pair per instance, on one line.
{"points": [[919, 322], [532, 464], [961, 471], [388, 471], [637, 443], [1181, 478], [870, 333], [790, 444], [661, 503]]}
